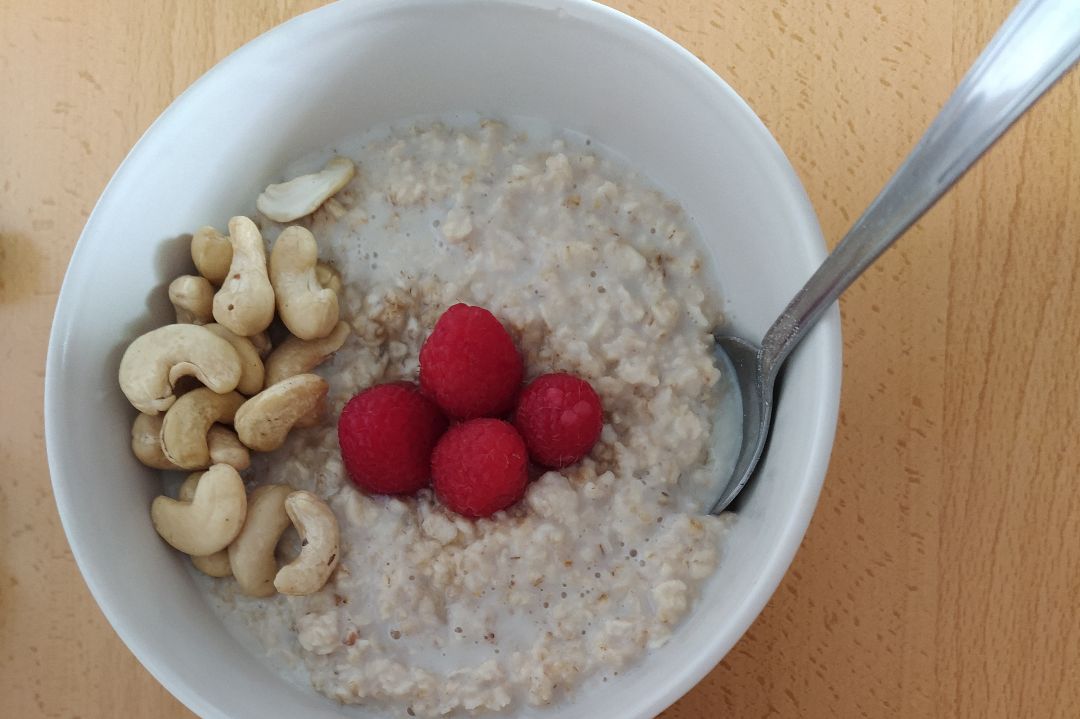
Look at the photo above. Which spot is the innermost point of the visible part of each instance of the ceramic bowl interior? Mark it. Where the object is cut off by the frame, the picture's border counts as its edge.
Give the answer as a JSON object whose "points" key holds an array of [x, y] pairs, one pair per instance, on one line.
{"points": [[331, 74]]}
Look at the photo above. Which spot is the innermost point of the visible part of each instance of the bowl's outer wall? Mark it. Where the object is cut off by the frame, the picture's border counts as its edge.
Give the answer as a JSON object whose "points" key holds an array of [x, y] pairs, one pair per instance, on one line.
{"points": [[331, 74]]}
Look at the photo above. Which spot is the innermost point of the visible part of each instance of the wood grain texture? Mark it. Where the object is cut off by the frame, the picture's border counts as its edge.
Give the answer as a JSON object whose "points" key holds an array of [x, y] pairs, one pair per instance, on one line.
{"points": [[941, 573]]}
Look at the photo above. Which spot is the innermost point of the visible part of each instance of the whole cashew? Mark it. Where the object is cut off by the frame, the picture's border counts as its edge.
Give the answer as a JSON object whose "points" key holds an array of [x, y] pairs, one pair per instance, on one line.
{"points": [[225, 446], [308, 309], [210, 520], [146, 441], [216, 564], [186, 424], [154, 362], [319, 545], [296, 356], [264, 421], [245, 302], [212, 253], [328, 277], [193, 299], [251, 554], [252, 372], [261, 340], [302, 195]]}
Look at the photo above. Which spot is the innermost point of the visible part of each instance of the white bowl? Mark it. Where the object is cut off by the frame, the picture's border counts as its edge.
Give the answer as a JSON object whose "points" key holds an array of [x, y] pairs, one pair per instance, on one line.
{"points": [[327, 75]]}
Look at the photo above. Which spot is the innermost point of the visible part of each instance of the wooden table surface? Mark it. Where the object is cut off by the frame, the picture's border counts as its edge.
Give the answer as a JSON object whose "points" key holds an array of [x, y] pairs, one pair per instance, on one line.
{"points": [[941, 573]]}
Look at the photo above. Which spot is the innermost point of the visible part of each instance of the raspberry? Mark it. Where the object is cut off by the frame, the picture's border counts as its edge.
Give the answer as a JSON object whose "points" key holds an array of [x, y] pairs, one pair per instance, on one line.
{"points": [[560, 417], [386, 435], [479, 467], [469, 364]]}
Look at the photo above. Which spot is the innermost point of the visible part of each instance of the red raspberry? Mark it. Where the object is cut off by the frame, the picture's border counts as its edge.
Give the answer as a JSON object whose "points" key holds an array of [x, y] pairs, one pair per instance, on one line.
{"points": [[479, 467], [560, 417], [469, 365], [386, 435]]}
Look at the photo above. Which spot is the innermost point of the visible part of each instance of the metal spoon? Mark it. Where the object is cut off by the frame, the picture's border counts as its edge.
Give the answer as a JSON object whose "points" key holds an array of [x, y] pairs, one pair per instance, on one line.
{"points": [[1037, 44]]}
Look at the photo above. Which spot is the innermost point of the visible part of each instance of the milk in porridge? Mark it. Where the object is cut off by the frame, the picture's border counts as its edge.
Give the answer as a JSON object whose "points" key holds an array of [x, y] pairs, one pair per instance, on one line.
{"points": [[594, 272]]}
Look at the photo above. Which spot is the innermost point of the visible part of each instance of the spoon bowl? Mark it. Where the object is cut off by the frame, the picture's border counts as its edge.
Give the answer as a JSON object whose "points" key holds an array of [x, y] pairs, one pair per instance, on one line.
{"points": [[740, 359]]}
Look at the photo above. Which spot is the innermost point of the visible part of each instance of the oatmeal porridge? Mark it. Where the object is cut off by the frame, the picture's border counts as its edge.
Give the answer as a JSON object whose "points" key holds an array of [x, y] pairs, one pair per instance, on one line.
{"points": [[594, 273]]}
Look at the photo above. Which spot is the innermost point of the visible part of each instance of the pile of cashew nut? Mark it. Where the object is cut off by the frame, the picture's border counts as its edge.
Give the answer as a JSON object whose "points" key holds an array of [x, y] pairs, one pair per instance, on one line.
{"points": [[228, 532], [241, 394]]}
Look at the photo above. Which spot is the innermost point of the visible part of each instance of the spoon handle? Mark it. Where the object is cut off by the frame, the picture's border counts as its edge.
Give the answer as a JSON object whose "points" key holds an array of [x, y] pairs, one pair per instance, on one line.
{"points": [[1037, 44]]}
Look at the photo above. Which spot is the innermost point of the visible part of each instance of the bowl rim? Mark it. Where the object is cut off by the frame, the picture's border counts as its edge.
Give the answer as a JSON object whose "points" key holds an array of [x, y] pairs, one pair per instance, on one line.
{"points": [[823, 422]]}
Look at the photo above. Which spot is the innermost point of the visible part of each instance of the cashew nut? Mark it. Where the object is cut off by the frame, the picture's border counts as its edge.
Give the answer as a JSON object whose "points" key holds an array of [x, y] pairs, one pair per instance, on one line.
{"points": [[307, 308], [216, 564], [245, 302], [261, 340], [264, 421], [210, 520], [186, 491], [193, 299], [251, 365], [296, 356], [226, 448], [154, 362], [146, 441], [186, 424], [212, 253], [319, 545], [251, 554], [328, 277], [302, 195]]}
